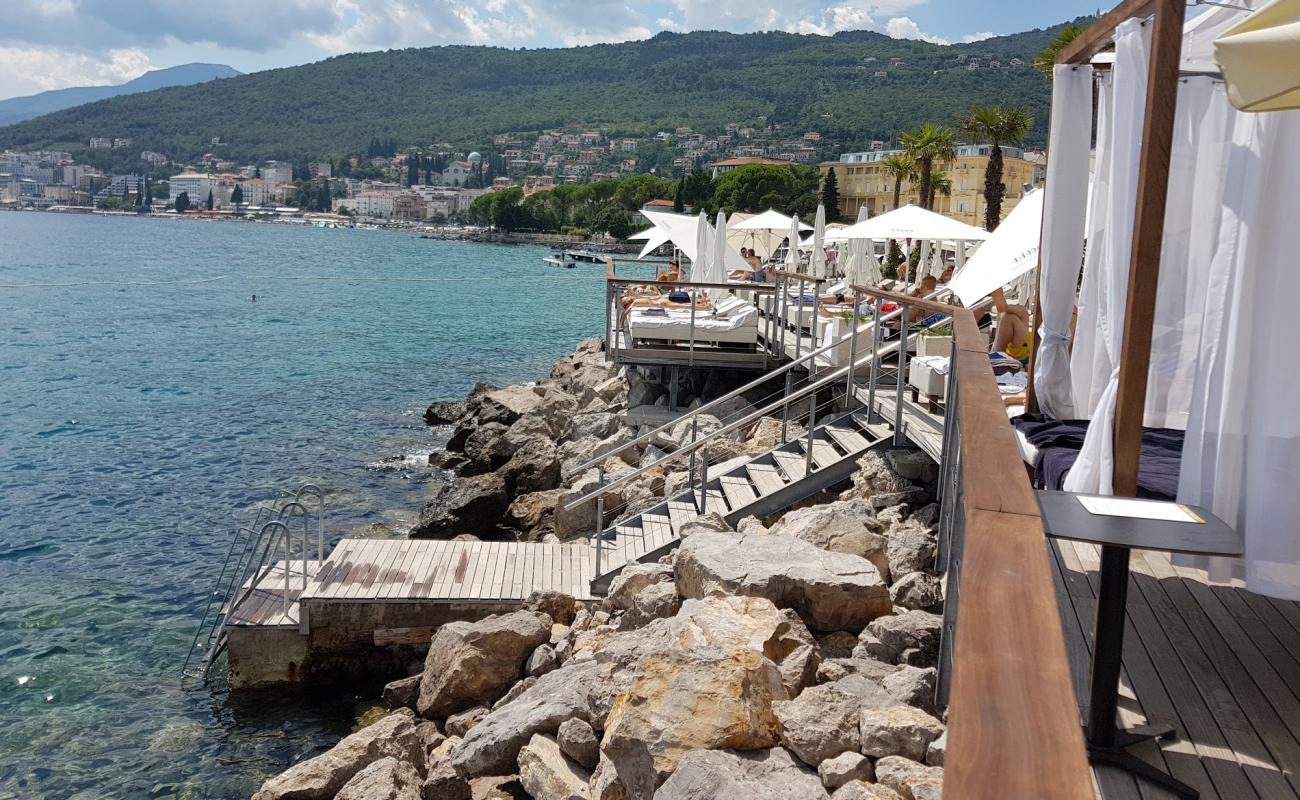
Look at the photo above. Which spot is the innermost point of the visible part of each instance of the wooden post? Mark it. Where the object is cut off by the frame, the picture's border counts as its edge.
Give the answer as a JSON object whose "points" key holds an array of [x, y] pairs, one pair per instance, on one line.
{"points": [[1148, 233]]}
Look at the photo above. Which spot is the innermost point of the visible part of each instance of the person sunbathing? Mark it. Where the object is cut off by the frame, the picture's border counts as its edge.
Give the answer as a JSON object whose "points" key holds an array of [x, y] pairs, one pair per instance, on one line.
{"points": [[675, 299], [755, 274], [928, 285], [1014, 332]]}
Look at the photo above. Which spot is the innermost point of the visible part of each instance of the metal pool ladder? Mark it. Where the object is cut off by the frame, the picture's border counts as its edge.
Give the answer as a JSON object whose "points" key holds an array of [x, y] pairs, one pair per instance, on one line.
{"points": [[251, 562]]}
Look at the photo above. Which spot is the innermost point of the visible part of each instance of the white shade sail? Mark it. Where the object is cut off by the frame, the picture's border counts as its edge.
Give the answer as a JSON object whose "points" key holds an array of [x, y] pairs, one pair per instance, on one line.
{"points": [[769, 220], [680, 229], [1011, 251], [914, 222], [1260, 58]]}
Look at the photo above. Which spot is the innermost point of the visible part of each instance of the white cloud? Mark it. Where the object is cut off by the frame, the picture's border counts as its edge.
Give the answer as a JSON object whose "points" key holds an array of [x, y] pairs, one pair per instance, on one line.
{"points": [[27, 70], [978, 37], [906, 28]]}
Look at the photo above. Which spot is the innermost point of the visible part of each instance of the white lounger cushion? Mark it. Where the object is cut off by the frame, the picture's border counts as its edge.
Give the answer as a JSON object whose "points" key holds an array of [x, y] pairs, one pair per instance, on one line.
{"points": [[738, 325]]}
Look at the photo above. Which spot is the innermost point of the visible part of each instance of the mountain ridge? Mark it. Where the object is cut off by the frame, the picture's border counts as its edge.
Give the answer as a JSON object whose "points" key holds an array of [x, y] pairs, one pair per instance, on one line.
{"points": [[20, 109], [465, 94]]}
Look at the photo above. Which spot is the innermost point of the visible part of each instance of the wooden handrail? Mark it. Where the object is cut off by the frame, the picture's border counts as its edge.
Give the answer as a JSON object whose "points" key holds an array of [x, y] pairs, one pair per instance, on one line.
{"points": [[1013, 723], [761, 287]]}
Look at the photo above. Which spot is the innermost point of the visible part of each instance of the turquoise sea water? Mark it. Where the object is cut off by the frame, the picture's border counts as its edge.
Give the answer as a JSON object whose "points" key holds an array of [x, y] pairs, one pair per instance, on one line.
{"points": [[146, 404]]}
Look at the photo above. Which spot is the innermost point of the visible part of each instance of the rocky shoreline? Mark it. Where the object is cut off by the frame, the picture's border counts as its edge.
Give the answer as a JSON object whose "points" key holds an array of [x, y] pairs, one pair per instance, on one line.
{"points": [[511, 448], [793, 657]]}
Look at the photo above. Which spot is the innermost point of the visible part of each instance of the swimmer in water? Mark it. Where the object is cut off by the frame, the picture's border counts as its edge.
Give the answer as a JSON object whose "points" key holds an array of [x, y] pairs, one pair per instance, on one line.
{"points": [[254, 298]]}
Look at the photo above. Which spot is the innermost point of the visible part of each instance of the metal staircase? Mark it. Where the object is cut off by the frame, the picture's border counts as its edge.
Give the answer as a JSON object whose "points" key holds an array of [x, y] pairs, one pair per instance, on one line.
{"points": [[837, 429]]}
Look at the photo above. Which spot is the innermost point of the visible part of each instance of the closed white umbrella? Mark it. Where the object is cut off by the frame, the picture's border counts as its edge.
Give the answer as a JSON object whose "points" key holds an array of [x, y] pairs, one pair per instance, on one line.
{"points": [[818, 263], [700, 261], [792, 254], [718, 260], [863, 216]]}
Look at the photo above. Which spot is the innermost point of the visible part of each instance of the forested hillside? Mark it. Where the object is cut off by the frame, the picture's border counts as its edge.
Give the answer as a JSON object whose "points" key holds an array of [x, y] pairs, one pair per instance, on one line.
{"points": [[464, 95]]}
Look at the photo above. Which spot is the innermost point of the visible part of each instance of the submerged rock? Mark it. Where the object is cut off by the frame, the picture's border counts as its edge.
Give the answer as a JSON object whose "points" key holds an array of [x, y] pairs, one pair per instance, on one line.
{"points": [[444, 412]]}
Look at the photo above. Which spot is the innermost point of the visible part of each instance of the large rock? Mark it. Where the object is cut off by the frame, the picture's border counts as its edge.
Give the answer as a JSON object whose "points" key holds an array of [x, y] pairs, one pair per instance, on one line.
{"points": [[385, 779], [918, 590], [560, 607], [765, 436], [849, 766], [824, 721], [476, 662], [643, 592], [845, 526], [710, 687], [912, 548], [546, 774], [857, 790], [402, 692], [534, 512], [708, 522], [592, 426], [898, 731], [472, 505], [460, 724], [578, 741], [322, 777], [875, 476], [907, 777], [830, 591], [910, 638], [582, 518], [796, 653], [696, 427], [444, 412], [912, 686], [506, 405], [534, 466], [492, 746], [485, 448], [760, 775]]}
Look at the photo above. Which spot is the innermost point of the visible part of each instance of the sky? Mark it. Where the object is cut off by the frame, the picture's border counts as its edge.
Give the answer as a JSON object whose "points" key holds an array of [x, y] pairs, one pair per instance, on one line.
{"points": [[52, 44]]}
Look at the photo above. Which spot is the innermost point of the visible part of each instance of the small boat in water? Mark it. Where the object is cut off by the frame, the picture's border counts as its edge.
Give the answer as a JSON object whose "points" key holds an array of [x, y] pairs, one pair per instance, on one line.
{"points": [[557, 262]]}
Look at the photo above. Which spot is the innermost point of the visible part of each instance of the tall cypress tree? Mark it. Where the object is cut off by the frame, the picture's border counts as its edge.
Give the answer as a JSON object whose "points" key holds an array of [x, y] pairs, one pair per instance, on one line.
{"points": [[679, 203], [209, 203], [831, 195]]}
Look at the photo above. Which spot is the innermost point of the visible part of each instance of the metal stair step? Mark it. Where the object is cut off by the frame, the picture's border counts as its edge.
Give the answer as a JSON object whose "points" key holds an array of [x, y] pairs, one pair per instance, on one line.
{"points": [[791, 462], [680, 512], [847, 437], [658, 532], [738, 489], [824, 453], [765, 477]]}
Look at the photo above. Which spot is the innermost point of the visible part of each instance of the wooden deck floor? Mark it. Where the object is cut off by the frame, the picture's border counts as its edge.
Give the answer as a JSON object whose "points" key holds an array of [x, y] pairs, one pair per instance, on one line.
{"points": [[1219, 663], [456, 571]]}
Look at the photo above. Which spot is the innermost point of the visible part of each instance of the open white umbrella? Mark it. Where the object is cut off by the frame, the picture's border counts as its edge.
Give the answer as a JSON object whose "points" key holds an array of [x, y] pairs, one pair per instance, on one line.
{"points": [[818, 262], [1260, 57], [914, 222], [1011, 251], [765, 230]]}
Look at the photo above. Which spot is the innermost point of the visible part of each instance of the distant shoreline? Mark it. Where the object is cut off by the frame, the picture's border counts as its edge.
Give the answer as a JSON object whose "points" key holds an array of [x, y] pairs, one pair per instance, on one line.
{"points": [[425, 231]]}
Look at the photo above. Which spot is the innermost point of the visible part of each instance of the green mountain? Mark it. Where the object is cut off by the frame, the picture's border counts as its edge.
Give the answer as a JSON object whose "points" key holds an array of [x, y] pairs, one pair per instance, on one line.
{"points": [[464, 95], [17, 109]]}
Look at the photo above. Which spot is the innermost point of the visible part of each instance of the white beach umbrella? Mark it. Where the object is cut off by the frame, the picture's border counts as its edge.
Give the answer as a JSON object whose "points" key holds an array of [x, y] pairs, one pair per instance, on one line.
{"points": [[792, 254], [718, 263], [818, 262], [700, 261], [1010, 252], [769, 220], [914, 222]]}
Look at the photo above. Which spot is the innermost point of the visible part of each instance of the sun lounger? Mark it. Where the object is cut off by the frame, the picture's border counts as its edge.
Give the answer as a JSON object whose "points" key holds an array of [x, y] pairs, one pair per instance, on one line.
{"points": [[731, 321]]}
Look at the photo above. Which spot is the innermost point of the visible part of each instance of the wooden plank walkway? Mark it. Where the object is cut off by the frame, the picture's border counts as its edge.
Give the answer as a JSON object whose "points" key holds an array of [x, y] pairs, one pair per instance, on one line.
{"points": [[364, 570], [921, 426], [1219, 663], [265, 606]]}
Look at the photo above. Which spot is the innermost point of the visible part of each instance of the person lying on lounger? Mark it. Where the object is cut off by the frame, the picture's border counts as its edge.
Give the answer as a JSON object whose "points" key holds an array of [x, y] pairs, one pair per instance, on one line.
{"points": [[677, 298]]}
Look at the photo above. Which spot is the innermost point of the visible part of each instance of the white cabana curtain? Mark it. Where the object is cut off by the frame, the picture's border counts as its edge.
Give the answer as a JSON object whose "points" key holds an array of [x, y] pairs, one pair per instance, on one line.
{"points": [[1093, 470], [1199, 157], [1241, 457], [1061, 255]]}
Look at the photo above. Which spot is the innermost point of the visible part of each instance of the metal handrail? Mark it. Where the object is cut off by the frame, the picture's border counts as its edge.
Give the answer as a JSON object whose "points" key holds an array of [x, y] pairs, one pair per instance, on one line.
{"points": [[830, 379], [764, 378]]}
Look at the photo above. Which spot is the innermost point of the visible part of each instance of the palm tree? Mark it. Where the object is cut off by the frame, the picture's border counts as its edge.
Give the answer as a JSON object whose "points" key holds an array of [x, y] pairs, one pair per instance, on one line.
{"points": [[927, 145], [940, 184], [1046, 58], [901, 168], [998, 127]]}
